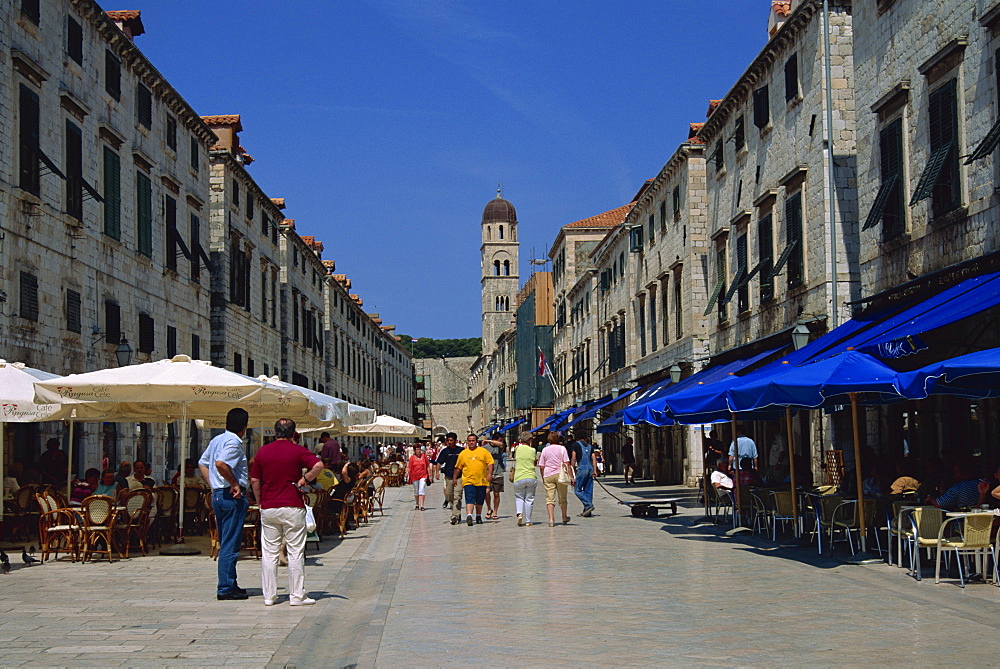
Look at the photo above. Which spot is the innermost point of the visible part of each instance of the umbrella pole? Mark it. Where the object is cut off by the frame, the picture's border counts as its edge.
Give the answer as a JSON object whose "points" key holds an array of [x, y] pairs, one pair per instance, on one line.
{"points": [[737, 521], [857, 472], [791, 470], [69, 463], [180, 548]]}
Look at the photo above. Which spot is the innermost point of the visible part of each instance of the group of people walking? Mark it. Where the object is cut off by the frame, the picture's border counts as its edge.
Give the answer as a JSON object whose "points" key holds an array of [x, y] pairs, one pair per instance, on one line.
{"points": [[473, 476]]}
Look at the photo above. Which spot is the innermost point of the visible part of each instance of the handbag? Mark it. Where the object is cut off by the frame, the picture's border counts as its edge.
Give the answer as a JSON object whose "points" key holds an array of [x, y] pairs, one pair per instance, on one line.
{"points": [[310, 520], [564, 476]]}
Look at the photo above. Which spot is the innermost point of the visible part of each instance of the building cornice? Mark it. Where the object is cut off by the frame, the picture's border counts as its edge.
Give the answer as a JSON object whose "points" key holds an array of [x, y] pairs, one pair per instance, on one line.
{"points": [[226, 157], [667, 172]]}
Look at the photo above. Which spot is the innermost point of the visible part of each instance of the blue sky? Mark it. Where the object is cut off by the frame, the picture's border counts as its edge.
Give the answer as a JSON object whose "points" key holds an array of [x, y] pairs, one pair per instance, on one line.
{"points": [[386, 126]]}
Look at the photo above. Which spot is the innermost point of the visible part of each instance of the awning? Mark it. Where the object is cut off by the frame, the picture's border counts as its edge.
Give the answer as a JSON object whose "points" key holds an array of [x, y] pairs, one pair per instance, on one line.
{"points": [[591, 411], [512, 424], [553, 419]]}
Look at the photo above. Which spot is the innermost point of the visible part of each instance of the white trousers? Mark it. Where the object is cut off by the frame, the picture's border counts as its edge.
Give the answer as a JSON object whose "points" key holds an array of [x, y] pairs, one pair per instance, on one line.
{"points": [[524, 497], [286, 523]]}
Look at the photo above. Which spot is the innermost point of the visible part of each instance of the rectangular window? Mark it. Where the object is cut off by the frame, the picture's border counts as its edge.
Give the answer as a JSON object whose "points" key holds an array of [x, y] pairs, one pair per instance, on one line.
{"points": [[237, 363], [112, 194], [792, 77], [889, 204], [642, 327], [765, 250], [677, 203], [74, 40], [28, 308], [30, 173], [143, 106], [73, 319], [263, 295], [678, 314], [195, 347], [249, 206], [74, 171], [265, 225], [739, 134], [761, 108], [147, 334], [663, 216], [31, 9], [793, 239], [195, 148], [170, 232], [652, 319], [743, 292], [250, 367], [144, 213], [943, 119], [195, 248], [171, 341], [171, 128], [718, 157], [652, 229], [236, 193], [635, 239], [112, 322], [236, 267], [112, 75]]}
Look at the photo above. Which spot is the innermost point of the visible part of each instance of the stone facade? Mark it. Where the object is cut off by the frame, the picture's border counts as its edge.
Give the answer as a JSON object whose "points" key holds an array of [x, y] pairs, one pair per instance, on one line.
{"points": [[127, 218], [445, 393], [499, 269]]}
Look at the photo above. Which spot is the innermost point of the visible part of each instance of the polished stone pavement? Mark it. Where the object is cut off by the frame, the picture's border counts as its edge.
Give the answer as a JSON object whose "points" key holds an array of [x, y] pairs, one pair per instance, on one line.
{"points": [[412, 590]]}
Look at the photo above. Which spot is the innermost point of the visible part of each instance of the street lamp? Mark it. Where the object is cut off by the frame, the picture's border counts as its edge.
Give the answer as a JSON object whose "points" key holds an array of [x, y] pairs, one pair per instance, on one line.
{"points": [[123, 352], [675, 373], [800, 336]]}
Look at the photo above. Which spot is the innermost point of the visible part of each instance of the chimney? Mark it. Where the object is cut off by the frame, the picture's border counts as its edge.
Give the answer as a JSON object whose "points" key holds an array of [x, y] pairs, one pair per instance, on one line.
{"points": [[128, 22], [227, 128], [780, 9]]}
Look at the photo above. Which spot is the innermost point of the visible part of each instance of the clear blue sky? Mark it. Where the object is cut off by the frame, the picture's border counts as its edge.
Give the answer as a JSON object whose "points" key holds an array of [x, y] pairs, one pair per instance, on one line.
{"points": [[387, 125]]}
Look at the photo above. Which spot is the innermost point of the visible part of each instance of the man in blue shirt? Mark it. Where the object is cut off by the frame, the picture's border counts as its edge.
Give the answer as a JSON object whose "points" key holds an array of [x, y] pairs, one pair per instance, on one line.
{"points": [[744, 447], [445, 460], [224, 467]]}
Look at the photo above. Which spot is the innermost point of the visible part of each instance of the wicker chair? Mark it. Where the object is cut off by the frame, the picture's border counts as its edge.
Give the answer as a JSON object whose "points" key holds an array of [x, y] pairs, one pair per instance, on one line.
{"points": [[134, 521], [343, 511], [164, 528], [24, 510], [361, 502], [781, 511], [194, 518], [98, 512], [377, 492], [251, 532], [925, 525], [213, 530], [396, 472], [58, 528], [974, 540]]}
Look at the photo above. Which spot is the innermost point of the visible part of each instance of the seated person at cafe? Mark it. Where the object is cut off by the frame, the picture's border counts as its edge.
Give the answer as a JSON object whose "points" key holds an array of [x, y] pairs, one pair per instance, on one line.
{"points": [[968, 492], [124, 471], [192, 478], [348, 477], [720, 477], [905, 482], [138, 478], [108, 485], [748, 475], [86, 487]]}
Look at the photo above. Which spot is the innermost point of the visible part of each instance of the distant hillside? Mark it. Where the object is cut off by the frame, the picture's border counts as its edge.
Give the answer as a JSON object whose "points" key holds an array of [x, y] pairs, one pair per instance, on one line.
{"points": [[425, 347]]}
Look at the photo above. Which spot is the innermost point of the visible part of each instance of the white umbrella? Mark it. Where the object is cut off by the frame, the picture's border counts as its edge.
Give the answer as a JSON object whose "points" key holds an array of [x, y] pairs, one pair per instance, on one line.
{"points": [[325, 409], [178, 387], [356, 415], [387, 426]]}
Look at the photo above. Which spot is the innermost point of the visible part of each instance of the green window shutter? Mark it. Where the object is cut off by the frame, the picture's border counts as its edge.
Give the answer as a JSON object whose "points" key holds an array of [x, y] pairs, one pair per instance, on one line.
{"points": [[793, 238], [112, 194], [929, 177], [987, 146], [884, 192], [144, 213], [715, 297]]}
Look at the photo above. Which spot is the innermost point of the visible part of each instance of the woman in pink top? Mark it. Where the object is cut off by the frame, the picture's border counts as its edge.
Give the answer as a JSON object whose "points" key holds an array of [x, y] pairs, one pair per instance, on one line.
{"points": [[417, 470], [553, 458]]}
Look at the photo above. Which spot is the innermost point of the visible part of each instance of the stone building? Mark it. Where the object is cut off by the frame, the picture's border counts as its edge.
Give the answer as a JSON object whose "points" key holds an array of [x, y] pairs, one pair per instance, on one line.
{"points": [[499, 268], [244, 221], [105, 200], [301, 289], [444, 397]]}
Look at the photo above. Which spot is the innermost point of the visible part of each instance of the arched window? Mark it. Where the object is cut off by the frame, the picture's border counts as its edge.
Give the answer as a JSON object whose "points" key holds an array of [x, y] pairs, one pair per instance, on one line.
{"points": [[501, 231], [489, 235], [506, 268], [496, 268]]}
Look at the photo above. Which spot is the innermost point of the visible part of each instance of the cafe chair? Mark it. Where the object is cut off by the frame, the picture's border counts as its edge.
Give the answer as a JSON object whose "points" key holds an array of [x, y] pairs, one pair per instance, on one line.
{"points": [[134, 520], [781, 511], [845, 519], [974, 540], [98, 513], [251, 532], [925, 525], [378, 492], [213, 530], [58, 528]]}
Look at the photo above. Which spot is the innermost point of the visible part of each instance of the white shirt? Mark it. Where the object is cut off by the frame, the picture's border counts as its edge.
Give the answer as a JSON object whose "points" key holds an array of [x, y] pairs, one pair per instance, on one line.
{"points": [[722, 479], [228, 448]]}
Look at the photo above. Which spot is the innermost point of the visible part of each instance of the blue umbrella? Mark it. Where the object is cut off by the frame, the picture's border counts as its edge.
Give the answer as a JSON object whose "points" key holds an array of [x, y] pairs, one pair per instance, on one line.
{"points": [[972, 375]]}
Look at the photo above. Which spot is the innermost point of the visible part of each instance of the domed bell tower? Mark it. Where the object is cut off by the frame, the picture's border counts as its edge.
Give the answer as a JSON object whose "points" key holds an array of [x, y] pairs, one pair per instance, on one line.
{"points": [[499, 267]]}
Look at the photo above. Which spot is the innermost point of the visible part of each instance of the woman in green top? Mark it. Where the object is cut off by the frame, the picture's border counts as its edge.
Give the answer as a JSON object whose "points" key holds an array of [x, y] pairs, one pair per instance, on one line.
{"points": [[524, 477]]}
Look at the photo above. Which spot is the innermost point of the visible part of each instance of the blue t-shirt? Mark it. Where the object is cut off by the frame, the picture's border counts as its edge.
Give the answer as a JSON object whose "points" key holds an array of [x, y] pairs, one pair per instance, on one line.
{"points": [[228, 448]]}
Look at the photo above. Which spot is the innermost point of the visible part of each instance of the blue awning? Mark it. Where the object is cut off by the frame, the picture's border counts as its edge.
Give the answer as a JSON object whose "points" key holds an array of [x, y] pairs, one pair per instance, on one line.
{"points": [[591, 410], [974, 375], [512, 424], [553, 419]]}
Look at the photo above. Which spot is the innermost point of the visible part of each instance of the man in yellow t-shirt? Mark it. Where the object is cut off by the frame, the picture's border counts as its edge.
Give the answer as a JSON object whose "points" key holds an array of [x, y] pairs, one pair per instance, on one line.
{"points": [[475, 466]]}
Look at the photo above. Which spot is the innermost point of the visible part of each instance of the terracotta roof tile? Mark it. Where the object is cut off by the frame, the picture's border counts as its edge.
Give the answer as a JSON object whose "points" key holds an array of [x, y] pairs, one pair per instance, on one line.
{"points": [[126, 14], [224, 119], [330, 265], [608, 219], [782, 7], [312, 243], [693, 131], [712, 106], [357, 298], [278, 202], [342, 280], [290, 222]]}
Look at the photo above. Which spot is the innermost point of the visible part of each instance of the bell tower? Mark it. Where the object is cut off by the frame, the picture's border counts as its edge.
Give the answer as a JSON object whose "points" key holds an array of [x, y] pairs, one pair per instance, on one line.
{"points": [[499, 269]]}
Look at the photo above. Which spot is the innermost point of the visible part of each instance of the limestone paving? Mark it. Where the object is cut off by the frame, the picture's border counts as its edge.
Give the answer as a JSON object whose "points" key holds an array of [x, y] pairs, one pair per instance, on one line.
{"points": [[410, 589]]}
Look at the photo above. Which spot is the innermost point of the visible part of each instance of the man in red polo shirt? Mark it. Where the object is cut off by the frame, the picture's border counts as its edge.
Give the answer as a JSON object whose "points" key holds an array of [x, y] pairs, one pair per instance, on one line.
{"points": [[276, 477]]}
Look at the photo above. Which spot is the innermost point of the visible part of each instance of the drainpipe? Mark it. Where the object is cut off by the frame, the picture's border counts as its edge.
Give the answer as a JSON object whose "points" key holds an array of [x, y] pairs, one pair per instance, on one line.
{"points": [[832, 185]]}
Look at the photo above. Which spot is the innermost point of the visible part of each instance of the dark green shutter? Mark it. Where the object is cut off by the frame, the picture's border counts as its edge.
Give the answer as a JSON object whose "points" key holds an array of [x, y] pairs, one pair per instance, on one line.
{"points": [[112, 194], [144, 214]]}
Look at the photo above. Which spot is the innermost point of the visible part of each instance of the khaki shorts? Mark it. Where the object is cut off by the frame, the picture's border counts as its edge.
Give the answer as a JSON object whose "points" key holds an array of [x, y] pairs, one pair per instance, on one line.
{"points": [[553, 488], [496, 485]]}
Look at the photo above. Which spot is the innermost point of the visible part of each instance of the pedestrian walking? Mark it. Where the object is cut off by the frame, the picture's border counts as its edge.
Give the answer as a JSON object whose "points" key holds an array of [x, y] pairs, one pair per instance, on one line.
{"points": [[277, 480], [223, 465], [584, 461], [554, 461], [446, 459], [418, 473], [628, 461], [523, 474], [498, 450], [475, 466]]}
